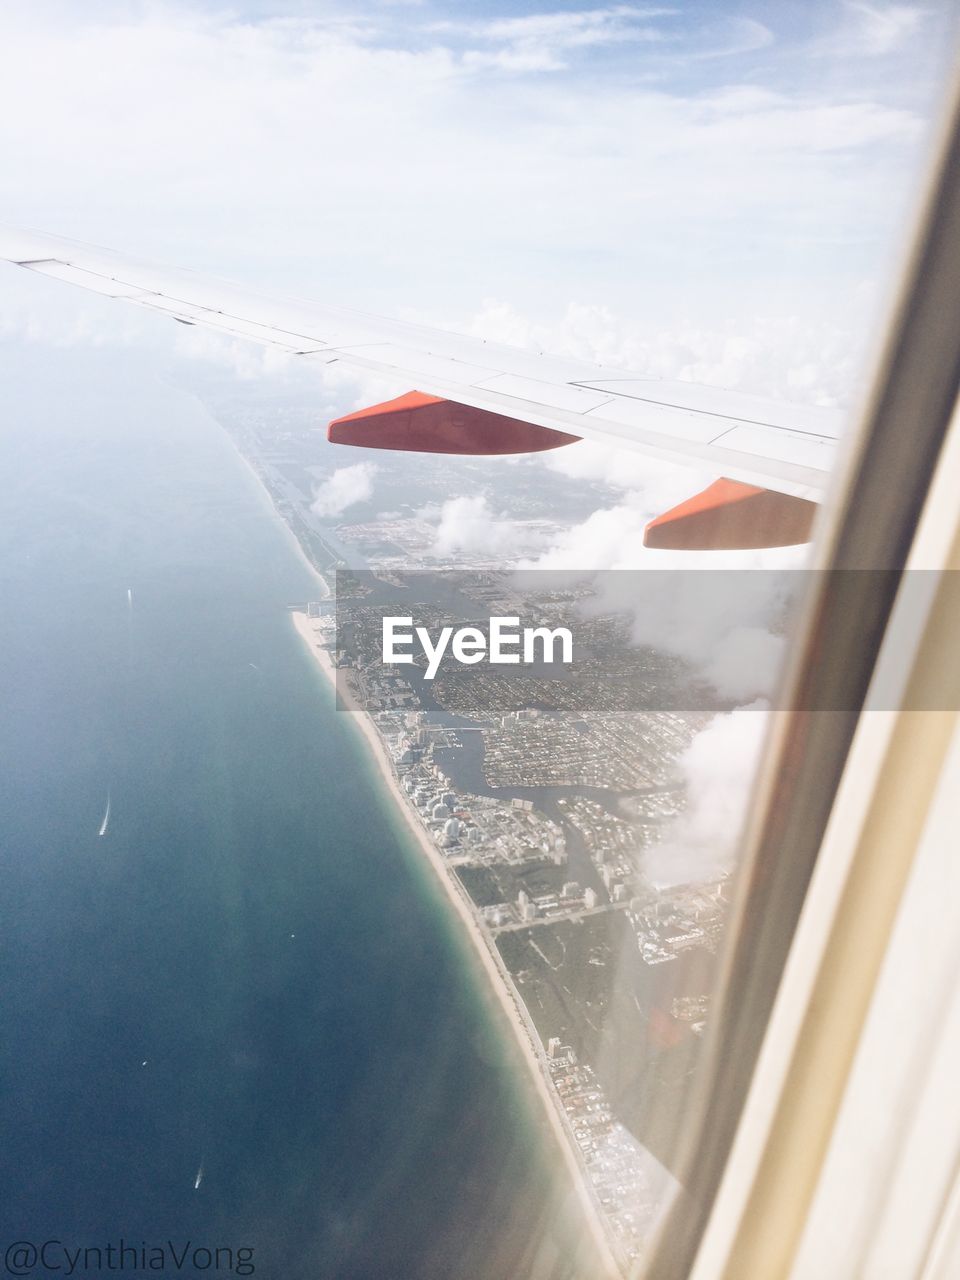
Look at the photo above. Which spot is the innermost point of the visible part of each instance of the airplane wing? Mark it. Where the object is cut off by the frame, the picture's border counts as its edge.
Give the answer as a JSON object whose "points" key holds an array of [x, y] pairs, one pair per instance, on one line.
{"points": [[475, 396]]}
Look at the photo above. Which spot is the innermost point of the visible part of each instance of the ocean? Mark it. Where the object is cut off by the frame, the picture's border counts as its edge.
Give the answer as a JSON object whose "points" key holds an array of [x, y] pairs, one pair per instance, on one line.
{"points": [[249, 980]]}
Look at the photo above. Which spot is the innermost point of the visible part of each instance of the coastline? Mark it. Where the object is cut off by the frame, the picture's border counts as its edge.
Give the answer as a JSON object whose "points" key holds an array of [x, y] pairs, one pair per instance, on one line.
{"points": [[499, 982], [292, 538]]}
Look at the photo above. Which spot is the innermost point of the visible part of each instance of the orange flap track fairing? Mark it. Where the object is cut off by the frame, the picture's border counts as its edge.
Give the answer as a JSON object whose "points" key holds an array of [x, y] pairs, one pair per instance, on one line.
{"points": [[730, 516], [428, 424]]}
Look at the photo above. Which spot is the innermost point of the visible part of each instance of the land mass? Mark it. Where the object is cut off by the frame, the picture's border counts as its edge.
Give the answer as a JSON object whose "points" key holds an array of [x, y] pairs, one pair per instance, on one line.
{"points": [[533, 806]]}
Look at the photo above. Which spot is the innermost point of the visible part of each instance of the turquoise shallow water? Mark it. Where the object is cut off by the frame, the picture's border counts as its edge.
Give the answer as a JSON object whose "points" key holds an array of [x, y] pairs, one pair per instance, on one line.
{"points": [[249, 971]]}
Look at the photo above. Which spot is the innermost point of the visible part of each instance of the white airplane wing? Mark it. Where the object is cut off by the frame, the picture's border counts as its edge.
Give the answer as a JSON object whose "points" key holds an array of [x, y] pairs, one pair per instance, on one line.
{"points": [[482, 397]]}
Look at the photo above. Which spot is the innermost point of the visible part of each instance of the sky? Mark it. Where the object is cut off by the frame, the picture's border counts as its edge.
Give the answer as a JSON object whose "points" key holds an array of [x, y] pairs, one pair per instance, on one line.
{"points": [[609, 174]]}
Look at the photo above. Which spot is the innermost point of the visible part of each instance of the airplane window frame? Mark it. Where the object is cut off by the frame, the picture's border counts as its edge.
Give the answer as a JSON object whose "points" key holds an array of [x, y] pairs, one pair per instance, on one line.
{"points": [[869, 522]]}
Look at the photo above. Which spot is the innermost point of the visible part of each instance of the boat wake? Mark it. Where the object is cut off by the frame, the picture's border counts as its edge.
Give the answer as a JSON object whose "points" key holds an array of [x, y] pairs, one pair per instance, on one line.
{"points": [[106, 817]]}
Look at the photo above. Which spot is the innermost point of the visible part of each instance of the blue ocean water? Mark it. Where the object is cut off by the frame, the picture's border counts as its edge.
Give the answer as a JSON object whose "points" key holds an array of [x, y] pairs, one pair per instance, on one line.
{"points": [[250, 972]]}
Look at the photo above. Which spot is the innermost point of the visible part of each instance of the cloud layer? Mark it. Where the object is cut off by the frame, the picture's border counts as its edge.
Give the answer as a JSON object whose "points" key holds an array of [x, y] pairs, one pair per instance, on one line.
{"points": [[671, 165]]}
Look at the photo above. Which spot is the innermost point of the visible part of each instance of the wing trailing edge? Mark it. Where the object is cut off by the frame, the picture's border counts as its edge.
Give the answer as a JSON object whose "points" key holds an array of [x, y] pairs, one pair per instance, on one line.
{"points": [[487, 398], [728, 515]]}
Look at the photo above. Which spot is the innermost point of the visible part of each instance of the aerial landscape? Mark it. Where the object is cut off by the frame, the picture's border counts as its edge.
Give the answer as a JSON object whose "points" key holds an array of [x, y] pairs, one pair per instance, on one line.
{"points": [[534, 800], [331, 956]]}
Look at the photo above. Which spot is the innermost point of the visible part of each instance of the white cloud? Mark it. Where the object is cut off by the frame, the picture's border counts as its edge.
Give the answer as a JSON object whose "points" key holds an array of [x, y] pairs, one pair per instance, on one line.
{"points": [[879, 29], [552, 41], [347, 486], [718, 768], [610, 538], [740, 35], [544, 41], [247, 361], [570, 26], [468, 525], [805, 359], [522, 56], [361, 161]]}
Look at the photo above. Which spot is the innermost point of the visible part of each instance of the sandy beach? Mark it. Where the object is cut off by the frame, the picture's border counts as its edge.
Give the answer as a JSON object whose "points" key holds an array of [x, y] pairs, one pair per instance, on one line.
{"points": [[499, 980]]}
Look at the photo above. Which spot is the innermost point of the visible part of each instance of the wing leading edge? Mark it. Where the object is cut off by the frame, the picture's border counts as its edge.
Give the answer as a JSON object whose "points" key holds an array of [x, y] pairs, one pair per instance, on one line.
{"points": [[482, 397]]}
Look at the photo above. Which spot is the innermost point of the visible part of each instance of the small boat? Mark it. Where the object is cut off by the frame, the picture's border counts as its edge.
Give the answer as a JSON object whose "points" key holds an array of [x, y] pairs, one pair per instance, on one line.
{"points": [[198, 1179]]}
